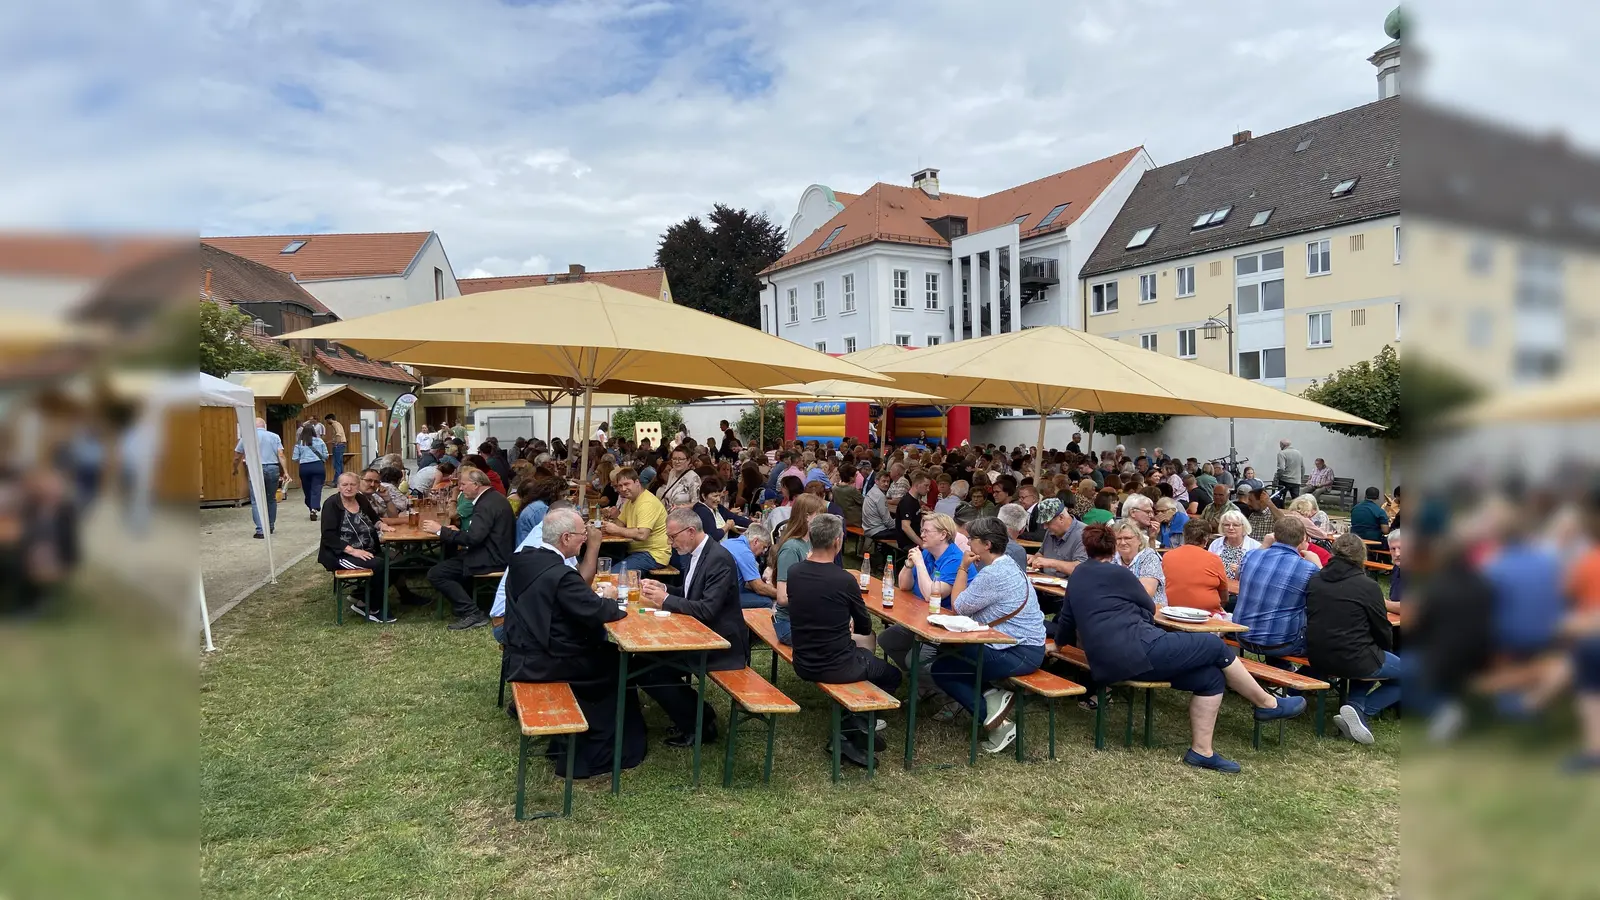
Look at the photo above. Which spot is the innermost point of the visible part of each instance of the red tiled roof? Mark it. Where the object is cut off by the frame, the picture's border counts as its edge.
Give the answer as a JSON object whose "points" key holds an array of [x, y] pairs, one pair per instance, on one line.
{"points": [[240, 280], [898, 214], [342, 362], [327, 256], [80, 255], [639, 281]]}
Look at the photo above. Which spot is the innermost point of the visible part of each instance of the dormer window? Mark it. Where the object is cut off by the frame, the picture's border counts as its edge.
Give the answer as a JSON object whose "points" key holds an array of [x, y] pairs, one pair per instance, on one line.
{"points": [[1344, 187], [1211, 218]]}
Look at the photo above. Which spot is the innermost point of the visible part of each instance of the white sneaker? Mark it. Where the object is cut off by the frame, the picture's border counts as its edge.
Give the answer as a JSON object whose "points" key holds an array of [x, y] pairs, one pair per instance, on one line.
{"points": [[1001, 737], [996, 704], [1446, 723], [1350, 724]]}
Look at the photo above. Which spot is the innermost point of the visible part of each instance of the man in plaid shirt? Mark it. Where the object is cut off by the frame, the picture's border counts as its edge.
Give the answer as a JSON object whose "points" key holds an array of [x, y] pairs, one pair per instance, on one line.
{"points": [[1272, 592]]}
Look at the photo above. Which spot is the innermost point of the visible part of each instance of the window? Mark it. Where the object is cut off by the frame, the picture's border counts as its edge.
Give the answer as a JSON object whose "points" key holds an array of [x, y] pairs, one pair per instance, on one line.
{"points": [[1304, 143], [1358, 242], [1319, 329], [1147, 288], [1258, 282], [1343, 188], [1480, 329], [1141, 237], [930, 290], [1480, 259], [933, 340], [850, 343], [1397, 245], [822, 346], [1020, 219], [1318, 257], [1147, 341], [1054, 214], [902, 290], [292, 246], [1397, 321], [1211, 217], [438, 283], [1358, 317], [1183, 179], [1536, 364], [1186, 343], [902, 340], [819, 299], [1103, 298], [829, 239], [1186, 281], [1255, 365], [1261, 218], [794, 306], [848, 284], [765, 328]]}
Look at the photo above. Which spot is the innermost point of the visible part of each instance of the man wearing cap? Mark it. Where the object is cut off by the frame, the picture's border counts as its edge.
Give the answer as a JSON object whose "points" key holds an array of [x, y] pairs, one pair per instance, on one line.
{"points": [[1060, 547]]}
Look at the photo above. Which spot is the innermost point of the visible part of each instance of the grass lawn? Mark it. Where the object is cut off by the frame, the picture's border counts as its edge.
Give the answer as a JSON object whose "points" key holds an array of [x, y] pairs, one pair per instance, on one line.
{"points": [[369, 761]]}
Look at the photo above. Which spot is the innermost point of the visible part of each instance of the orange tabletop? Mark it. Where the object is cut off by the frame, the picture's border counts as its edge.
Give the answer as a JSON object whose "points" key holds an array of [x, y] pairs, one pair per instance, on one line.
{"points": [[913, 614], [1049, 590], [1394, 619], [405, 534], [1212, 625], [647, 633], [1029, 545]]}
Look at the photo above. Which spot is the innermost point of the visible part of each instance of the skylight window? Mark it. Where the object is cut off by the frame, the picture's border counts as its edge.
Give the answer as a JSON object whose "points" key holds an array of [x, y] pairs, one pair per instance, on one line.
{"points": [[829, 239], [1054, 214], [1261, 218], [1213, 217], [292, 246], [1345, 187], [1302, 145], [1141, 237], [1020, 219], [1183, 179]]}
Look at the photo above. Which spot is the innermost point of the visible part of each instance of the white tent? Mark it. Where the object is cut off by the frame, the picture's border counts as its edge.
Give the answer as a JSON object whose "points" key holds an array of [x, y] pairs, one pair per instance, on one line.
{"points": [[216, 392]]}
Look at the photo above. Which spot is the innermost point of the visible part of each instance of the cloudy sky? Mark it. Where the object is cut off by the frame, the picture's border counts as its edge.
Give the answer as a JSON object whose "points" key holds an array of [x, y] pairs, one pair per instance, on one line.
{"points": [[536, 133]]}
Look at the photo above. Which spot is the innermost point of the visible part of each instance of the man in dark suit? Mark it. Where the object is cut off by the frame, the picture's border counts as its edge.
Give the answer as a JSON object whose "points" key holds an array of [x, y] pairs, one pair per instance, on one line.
{"points": [[711, 594], [485, 546], [555, 631]]}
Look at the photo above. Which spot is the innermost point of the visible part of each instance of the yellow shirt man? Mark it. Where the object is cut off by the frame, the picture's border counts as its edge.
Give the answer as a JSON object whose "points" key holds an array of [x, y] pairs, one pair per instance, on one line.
{"points": [[646, 511]]}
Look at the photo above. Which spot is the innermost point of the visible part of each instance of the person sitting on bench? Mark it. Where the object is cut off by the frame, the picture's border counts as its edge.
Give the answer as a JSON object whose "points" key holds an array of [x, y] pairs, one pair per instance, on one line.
{"points": [[1348, 635], [1111, 617]]}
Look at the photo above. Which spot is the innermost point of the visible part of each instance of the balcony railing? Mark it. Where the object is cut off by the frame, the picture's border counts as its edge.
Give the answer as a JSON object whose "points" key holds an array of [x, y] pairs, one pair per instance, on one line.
{"points": [[1039, 270]]}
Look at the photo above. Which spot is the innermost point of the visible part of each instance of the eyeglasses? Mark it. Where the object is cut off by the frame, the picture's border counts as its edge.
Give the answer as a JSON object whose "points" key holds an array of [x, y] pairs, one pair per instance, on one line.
{"points": [[673, 535]]}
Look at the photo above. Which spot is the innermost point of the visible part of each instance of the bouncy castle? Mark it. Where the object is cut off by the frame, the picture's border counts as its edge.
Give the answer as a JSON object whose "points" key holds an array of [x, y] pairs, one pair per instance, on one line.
{"points": [[828, 422]]}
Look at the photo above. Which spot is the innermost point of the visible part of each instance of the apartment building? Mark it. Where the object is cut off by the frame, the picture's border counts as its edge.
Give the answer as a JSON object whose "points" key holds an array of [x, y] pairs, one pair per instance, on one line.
{"points": [[1276, 258], [918, 266]]}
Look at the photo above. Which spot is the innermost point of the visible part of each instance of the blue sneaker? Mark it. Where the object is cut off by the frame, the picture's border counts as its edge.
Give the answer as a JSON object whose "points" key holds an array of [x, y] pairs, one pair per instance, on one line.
{"points": [[1216, 762], [1287, 708]]}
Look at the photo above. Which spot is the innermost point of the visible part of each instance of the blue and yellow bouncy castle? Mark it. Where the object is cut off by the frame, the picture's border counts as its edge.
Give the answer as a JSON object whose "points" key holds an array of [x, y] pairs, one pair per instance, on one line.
{"points": [[829, 421], [823, 421], [907, 422]]}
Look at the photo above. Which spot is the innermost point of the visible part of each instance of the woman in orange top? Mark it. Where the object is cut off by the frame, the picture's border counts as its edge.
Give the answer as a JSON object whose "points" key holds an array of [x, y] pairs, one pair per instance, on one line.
{"points": [[1195, 576]]}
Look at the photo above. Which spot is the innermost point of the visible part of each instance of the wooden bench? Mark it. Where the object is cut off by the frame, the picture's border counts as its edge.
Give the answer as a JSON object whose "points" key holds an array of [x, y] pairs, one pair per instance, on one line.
{"points": [[1048, 685], [1073, 656], [545, 710], [857, 532], [1345, 488], [341, 578], [752, 698], [856, 697]]}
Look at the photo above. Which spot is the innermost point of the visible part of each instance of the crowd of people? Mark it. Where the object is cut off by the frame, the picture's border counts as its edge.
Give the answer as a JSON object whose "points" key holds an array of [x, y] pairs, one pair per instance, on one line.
{"points": [[1128, 532]]}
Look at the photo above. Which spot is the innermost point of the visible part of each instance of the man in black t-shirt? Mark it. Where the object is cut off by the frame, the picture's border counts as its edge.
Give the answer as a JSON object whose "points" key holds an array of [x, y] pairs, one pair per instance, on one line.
{"points": [[908, 514]]}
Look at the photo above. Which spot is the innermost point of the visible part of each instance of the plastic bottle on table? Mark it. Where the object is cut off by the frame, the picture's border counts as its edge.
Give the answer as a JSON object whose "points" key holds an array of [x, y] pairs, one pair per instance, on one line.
{"points": [[888, 581], [866, 571]]}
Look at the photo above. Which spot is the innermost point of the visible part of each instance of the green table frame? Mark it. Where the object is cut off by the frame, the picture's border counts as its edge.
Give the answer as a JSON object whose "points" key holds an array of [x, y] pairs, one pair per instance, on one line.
{"points": [[673, 660]]}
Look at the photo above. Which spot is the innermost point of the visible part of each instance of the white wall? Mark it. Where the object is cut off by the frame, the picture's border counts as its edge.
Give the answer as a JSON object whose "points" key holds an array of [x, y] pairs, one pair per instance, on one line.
{"points": [[351, 298], [817, 205], [874, 321], [1185, 436], [419, 280], [701, 418]]}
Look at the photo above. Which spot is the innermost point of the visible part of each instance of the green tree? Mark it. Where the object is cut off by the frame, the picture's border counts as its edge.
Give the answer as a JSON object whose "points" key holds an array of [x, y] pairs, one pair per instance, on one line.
{"points": [[713, 269], [750, 427], [224, 348], [983, 415], [647, 409], [1119, 424]]}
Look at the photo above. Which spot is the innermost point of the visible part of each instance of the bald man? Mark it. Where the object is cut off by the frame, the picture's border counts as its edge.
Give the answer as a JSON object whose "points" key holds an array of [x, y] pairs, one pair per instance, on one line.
{"points": [[272, 466]]}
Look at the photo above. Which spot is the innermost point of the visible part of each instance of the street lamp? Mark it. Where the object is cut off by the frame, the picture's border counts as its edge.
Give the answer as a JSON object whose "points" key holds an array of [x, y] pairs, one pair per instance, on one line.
{"points": [[1213, 327]]}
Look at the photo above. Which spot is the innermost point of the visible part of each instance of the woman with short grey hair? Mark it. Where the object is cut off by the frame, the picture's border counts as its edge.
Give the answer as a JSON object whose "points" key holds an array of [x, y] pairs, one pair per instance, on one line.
{"points": [[1234, 543]]}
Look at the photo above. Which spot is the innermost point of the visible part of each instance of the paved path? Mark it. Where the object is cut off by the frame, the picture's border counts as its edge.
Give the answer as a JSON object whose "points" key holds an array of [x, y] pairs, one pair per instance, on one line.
{"points": [[231, 560]]}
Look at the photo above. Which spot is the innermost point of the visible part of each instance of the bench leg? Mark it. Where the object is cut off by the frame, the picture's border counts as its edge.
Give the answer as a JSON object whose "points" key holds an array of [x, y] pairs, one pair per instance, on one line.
{"points": [[1322, 709], [1127, 736], [733, 733], [338, 603], [1022, 720], [700, 714], [522, 772], [500, 702], [872, 743], [1149, 717], [772, 734], [572, 752], [1102, 697], [622, 697], [773, 678], [915, 660], [838, 737], [977, 691]]}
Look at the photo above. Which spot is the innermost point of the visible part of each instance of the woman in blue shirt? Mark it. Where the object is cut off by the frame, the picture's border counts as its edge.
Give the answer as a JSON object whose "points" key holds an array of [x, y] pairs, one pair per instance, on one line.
{"points": [[312, 456], [1000, 597], [929, 572], [536, 495]]}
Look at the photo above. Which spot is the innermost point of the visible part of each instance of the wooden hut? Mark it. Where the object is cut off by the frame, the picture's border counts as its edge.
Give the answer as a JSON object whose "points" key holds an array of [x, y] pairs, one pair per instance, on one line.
{"points": [[347, 403], [219, 433]]}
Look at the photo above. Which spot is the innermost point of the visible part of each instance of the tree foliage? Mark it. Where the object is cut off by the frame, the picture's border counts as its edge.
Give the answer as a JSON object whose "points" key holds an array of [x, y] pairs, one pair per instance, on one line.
{"points": [[983, 415], [224, 348], [647, 409], [1120, 424], [749, 425], [713, 269], [1369, 389]]}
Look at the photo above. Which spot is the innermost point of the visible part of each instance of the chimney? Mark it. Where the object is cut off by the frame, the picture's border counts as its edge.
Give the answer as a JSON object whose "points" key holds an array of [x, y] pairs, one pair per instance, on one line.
{"points": [[928, 180], [574, 272], [206, 291], [1240, 137]]}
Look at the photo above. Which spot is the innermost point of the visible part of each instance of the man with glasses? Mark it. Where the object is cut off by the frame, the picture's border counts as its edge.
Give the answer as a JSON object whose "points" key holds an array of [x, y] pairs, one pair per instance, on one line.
{"points": [[710, 593], [641, 521]]}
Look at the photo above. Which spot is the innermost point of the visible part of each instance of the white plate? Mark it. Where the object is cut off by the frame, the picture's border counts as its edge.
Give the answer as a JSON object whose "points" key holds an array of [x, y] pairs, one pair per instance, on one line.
{"points": [[1185, 613], [1048, 579]]}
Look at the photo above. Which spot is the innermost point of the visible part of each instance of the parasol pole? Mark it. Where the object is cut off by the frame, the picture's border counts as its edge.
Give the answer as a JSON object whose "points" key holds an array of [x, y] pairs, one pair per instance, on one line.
{"points": [[572, 422], [761, 426], [1043, 414], [583, 464]]}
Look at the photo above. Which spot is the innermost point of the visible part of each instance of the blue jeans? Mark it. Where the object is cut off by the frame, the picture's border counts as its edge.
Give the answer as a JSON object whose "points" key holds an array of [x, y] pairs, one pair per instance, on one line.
{"points": [[641, 562], [269, 480], [953, 672], [753, 600], [337, 452], [1382, 696], [312, 477]]}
